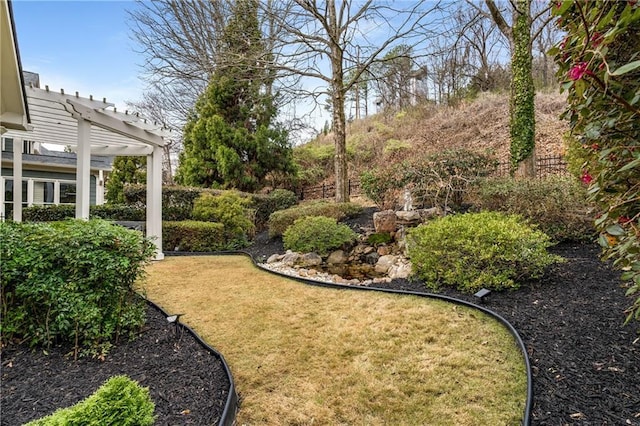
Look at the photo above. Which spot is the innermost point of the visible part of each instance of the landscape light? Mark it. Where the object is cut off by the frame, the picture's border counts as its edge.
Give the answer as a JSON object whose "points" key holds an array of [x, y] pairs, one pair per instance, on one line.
{"points": [[482, 293]]}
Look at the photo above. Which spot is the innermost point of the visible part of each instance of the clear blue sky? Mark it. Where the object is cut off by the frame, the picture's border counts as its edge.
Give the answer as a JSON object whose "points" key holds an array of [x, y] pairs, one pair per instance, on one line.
{"points": [[80, 46]]}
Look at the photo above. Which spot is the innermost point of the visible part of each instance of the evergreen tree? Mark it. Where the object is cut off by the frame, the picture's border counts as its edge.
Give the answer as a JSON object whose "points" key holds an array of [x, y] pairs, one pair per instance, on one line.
{"points": [[231, 141], [125, 170]]}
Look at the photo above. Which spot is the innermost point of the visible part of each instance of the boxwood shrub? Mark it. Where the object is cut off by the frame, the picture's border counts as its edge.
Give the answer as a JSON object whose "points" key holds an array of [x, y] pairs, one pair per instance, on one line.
{"points": [[265, 205], [120, 401], [71, 282], [281, 220], [317, 234], [232, 211], [190, 235], [476, 250]]}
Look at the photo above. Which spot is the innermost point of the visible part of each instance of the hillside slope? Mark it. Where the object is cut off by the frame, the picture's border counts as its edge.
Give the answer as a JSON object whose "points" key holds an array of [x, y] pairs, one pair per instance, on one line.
{"points": [[481, 124]]}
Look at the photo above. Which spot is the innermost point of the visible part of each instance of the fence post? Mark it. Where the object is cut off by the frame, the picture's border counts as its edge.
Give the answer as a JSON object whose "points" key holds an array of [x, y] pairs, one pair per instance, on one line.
{"points": [[323, 191], [349, 186]]}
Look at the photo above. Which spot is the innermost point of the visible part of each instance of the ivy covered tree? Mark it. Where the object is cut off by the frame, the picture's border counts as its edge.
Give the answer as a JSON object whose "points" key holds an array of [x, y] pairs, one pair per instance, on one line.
{"points": [[231, 140], [522, 123], [125, 170], [599, 64]]}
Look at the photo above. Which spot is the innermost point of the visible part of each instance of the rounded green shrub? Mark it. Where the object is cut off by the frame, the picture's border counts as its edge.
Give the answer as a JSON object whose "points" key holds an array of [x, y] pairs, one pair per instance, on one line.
{"points": [[71, 282], [231, 210], [120, 401], [282, 199], [265, 205], [317, 234], [279, 221], [478, 250]]}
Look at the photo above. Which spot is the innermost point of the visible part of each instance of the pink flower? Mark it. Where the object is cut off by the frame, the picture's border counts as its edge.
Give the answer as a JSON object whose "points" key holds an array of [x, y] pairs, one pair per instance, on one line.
{"points": [[578, 71], [586, 178], [623, 220], [596, 39]]}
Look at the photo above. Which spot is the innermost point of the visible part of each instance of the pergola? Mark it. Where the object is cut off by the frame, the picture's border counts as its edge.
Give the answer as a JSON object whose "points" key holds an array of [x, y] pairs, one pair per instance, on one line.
{"points": [[89, 126]]}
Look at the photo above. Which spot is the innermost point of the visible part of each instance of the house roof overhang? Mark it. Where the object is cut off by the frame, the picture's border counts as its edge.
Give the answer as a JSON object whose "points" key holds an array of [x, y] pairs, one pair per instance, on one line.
{"points": [[14, 110]]}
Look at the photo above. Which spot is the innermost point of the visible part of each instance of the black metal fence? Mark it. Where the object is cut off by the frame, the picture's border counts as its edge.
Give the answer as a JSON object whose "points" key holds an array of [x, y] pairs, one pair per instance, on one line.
{"points": [[545, 166], [327, 190]]}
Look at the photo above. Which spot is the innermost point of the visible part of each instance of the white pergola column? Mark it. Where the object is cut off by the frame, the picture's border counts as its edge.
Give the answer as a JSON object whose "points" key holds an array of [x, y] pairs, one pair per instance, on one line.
{"points": [[2, 201], [83, 171], [17, 179], [154, 199], [100, 188]]}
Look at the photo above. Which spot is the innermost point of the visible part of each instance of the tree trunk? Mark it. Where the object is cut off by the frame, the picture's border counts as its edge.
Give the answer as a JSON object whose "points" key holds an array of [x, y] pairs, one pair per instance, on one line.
{"points": [[338, 96], [522, 110], [527, 167]]}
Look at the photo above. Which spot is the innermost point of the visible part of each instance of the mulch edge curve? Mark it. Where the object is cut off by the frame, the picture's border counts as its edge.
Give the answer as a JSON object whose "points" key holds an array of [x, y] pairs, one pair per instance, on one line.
{"points": [[228, 416]]}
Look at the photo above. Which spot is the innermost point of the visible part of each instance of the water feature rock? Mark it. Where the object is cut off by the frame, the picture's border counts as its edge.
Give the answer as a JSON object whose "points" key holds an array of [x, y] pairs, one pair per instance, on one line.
{"points": [[310, 259], [371, 258], [431, 213], [384, 250], [410, 218], [337, 257], [384, 221], [384, 263], [400, 270], [290, 258]]}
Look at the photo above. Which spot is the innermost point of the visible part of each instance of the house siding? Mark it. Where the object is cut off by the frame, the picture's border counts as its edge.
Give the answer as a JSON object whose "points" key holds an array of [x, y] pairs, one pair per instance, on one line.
{"points": [[42, 174]]}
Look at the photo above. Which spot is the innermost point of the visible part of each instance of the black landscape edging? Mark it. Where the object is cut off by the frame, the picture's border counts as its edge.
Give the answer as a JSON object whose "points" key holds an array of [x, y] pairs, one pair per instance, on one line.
{"points": [[228, 416], [526, 420]]}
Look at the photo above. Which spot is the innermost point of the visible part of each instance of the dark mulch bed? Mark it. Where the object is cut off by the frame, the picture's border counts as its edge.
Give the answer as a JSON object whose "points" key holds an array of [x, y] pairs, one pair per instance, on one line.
{"points": [[586, 364], [188, 384]]}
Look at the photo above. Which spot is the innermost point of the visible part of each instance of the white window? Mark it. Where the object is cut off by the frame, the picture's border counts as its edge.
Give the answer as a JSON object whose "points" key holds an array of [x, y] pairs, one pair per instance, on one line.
{"points": [[50, 191]]}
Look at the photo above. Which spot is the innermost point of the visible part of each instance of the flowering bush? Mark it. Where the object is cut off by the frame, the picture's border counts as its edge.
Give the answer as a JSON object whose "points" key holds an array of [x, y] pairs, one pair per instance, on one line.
{"points": [[599, 63]]}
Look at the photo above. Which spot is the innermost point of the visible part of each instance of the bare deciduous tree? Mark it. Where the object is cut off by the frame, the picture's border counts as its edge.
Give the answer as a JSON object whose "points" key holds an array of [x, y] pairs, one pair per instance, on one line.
{"points": [[160, 108], [330, 40], [179, 40]]}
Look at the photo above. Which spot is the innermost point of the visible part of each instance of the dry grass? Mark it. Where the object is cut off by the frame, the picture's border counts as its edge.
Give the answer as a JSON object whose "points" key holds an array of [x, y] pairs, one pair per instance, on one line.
{"points": [[303, 355], [479, 125]]}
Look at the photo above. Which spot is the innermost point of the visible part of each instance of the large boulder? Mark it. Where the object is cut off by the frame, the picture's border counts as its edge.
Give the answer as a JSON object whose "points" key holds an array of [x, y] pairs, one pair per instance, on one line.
{"points": [[384, 221]]}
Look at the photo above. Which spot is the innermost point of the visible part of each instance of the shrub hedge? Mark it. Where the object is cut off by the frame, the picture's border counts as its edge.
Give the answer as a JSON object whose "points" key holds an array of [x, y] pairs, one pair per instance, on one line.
{"points": [[71, 282], [557, 204], [178, 201], [120, 401], [189, 235], [60, 212], [279, 221], [476, 250], [317, 234]]}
